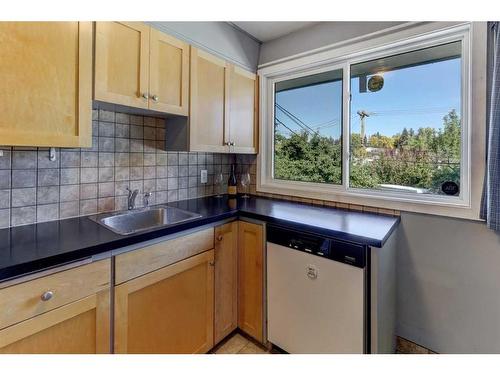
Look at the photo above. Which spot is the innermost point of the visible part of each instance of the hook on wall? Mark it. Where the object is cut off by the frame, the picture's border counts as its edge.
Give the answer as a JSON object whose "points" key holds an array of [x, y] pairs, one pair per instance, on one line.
{"points": [[52, 154]]}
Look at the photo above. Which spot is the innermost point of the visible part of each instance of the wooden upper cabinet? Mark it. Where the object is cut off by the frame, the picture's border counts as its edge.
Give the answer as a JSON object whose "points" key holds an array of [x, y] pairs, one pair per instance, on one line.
{"points": [[74, 320], [167, 311], [46, 89], [243, 111], [138, 66], [209, 93], [122, 63], [226, 280], [251, 279], [169, 74]]}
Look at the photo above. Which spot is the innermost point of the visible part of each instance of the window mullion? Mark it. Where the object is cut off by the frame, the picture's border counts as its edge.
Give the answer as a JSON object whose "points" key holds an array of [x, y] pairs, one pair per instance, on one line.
{"points": [[346, 95]]}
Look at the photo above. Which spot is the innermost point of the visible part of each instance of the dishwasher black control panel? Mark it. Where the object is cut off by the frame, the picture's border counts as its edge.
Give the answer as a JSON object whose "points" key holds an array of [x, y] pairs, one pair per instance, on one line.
{"points": [[327, 247]]}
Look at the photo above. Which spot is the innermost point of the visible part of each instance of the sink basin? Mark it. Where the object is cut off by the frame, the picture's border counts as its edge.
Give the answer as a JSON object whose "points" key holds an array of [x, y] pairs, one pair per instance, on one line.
{"points": [[134, 221]]}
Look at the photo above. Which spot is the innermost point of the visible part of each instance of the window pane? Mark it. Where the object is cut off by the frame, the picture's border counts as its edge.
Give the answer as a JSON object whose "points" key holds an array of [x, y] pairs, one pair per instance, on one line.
{"points": [[406, 122], [308, 128]]}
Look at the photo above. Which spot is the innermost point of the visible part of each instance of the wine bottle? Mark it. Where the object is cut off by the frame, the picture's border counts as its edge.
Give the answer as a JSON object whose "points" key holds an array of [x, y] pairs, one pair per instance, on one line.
{"points": [[231, 183]]}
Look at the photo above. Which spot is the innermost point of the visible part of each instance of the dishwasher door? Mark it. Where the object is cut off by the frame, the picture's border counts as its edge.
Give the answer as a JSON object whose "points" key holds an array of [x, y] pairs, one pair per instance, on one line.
{"points": [[314, 304]]}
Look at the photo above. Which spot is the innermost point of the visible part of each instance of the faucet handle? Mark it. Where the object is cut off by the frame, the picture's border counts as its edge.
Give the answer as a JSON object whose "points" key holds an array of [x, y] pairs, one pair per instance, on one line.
{"points": [[147, 195]]}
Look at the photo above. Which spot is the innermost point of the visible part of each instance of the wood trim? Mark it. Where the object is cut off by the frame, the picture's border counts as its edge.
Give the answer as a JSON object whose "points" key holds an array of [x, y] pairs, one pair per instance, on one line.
{"points": [[160, 106], [103, 322], [101, 70], [29, 327], [85, 84], [139, 262], [227, 104], [208, 56], [244, 72], [122, 292], [226, 279]]}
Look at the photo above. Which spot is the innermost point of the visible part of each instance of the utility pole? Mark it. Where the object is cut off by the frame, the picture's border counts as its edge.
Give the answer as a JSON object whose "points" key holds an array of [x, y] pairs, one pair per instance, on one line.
{"points": [[362, 114]]}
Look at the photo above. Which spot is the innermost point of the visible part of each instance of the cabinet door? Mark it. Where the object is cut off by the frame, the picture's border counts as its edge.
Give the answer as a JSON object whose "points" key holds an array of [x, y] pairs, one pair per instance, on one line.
{"points": [[226, 280], [251, 279], [243, 111], [169, 74], [46, 90], [208, 115], [122, 63], [169, 310], [80, 327]]}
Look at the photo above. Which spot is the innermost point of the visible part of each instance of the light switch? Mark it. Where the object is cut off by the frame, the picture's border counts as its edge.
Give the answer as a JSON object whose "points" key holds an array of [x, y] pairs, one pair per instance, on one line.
{"points": [[204, 176]]}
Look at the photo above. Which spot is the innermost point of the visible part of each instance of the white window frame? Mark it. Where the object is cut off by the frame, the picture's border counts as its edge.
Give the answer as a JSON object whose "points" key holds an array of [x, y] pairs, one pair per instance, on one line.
{"points": [[343, 58]]}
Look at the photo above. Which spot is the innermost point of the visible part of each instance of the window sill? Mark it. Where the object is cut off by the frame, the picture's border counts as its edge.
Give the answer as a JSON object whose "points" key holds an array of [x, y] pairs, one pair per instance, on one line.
{"points": [[404, 202]]}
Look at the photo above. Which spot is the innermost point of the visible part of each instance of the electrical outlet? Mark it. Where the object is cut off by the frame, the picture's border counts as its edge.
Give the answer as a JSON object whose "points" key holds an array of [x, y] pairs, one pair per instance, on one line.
{"points": [[204, 176]]}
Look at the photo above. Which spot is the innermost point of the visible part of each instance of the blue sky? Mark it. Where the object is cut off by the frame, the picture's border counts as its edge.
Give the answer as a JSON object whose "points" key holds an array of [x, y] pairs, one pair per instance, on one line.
{"points": [[422, 95]]}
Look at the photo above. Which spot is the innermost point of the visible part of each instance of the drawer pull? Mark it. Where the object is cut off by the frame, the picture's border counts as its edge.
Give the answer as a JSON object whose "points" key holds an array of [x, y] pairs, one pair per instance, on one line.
{"points": [[47, 295], [219, 237]]}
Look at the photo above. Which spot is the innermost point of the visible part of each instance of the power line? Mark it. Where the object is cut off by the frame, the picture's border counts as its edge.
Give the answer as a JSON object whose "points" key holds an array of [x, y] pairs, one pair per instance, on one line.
{"points": [[294, 118], [281, 123]]}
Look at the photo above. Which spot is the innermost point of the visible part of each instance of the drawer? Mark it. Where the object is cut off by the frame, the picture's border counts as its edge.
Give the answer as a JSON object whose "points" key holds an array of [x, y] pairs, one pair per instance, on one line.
{"points": [[23, 301], [139, 262]]}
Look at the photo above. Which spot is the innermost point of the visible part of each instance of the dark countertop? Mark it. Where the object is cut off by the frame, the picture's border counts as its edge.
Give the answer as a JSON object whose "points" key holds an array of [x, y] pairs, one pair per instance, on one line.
{"points": [[31, 248]]}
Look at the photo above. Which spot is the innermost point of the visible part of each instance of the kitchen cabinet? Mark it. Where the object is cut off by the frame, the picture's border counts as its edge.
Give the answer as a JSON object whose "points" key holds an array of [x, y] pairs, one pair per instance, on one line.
{"points": [[65, 312], [169, 74], [226, 280], [136, 263], [169, 310], [140, 67], [223, 112], [122, 63], [208, 116], [46, 91], [242, 111], [251, 279]]}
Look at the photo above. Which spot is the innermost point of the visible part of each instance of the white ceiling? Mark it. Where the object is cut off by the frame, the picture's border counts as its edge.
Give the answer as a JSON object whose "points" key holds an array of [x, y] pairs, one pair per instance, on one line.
{"points": [[269, 30]]}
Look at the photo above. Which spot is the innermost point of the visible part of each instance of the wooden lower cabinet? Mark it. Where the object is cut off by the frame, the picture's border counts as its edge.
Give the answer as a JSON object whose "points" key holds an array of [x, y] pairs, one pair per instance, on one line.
{"points": [[170, 310], [251, 279], [226, 280], [79, 326]]}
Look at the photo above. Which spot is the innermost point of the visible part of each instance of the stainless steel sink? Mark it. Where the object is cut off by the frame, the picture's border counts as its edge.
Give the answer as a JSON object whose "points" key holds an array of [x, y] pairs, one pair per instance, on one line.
{"points": [[134, 221]]}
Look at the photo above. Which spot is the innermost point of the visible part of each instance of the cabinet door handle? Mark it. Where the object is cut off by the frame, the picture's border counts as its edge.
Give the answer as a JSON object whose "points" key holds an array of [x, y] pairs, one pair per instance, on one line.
{"points": [[219, 237], [155, 98], [145, 95], [211, 263], [47, 295]]}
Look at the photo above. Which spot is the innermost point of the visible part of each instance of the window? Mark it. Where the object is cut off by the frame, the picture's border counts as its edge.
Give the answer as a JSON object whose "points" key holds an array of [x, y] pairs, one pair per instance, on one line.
{"points": [[307, 128], [406, 122], [386, 126]]}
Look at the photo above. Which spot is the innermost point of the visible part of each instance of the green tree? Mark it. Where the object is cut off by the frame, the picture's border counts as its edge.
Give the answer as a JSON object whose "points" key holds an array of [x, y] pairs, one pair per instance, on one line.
{"points": [[424, 158]]}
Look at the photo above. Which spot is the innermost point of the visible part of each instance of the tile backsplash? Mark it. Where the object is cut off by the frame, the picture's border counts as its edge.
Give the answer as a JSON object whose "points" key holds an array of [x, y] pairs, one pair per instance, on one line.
{"points": [[127, 151]]}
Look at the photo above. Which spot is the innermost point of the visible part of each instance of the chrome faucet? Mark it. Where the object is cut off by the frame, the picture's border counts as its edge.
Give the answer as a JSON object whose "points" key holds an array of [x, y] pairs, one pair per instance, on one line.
{"points": [[131, 198], [145, 200]]}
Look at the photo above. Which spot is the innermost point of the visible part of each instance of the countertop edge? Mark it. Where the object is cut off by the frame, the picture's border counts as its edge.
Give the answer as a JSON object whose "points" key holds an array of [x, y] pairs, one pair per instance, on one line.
{"points": [[19, 270]]}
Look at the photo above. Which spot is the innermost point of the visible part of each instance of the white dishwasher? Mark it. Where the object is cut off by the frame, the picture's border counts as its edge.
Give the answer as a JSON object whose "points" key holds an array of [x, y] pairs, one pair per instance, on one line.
{"points": [[316, 293]]}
